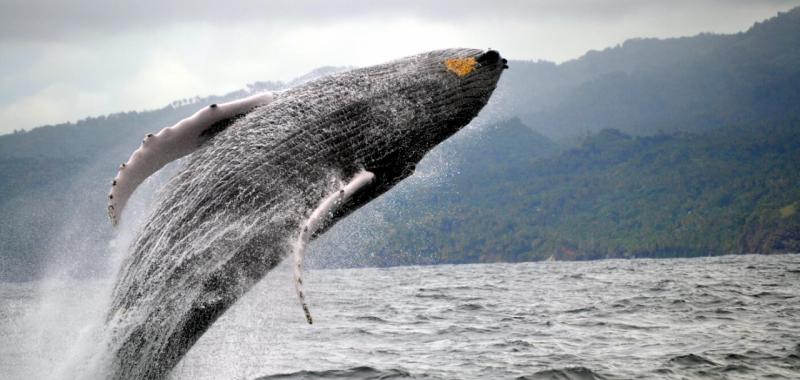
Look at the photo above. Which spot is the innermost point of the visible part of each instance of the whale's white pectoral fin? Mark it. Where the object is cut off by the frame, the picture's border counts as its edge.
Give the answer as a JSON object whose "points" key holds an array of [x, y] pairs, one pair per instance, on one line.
{"points": [[172, 143], [315, 220]]}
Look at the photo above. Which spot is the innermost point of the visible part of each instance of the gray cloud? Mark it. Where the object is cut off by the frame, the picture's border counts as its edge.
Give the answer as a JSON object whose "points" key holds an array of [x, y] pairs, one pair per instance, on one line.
{"points": [[48, 20]]}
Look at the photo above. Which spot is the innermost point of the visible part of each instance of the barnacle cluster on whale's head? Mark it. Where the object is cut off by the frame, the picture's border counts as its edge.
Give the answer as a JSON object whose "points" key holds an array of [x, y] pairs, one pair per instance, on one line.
{"points": [[461, 66]]}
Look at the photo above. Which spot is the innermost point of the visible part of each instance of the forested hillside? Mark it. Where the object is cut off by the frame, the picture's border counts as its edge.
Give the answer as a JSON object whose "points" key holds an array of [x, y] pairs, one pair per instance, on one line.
{"points": [[731, 190]]}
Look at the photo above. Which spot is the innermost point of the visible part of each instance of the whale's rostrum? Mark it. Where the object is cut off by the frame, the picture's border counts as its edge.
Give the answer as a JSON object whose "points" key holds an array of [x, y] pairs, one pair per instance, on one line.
{"points": [[258, 191]]}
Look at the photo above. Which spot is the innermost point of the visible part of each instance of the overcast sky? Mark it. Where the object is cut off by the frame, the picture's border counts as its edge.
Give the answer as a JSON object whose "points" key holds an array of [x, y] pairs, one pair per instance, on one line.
{"points": [[65, 60]]}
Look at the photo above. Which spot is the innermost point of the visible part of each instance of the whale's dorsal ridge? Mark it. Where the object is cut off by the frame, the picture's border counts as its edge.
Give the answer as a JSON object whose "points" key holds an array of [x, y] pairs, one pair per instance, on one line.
{"points": [[172, 143]]}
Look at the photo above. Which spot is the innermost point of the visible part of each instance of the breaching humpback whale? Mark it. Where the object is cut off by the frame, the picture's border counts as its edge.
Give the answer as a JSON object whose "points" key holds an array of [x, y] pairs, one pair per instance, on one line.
{"points": [[266, 175]]}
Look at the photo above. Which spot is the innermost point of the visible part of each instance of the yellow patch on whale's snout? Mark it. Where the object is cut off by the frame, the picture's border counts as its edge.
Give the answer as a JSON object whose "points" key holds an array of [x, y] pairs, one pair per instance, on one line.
{"points": [[461, 66]]}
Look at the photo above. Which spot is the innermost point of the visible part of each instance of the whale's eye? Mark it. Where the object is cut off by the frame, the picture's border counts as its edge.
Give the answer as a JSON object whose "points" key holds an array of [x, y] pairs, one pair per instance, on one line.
{"points": [[461, 66]]}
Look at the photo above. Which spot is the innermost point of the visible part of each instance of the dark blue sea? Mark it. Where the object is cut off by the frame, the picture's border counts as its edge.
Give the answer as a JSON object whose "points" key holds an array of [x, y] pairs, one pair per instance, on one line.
{"points": [[730, 317]]}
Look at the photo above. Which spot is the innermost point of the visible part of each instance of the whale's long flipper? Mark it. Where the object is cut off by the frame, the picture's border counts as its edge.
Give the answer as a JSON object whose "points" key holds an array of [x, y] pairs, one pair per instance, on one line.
{"points": [[172, 143], [325, 208]]}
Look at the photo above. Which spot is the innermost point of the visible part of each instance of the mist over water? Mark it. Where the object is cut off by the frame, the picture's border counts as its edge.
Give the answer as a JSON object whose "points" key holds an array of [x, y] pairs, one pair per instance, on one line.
{"points": [[53, 326], [724, 317]]}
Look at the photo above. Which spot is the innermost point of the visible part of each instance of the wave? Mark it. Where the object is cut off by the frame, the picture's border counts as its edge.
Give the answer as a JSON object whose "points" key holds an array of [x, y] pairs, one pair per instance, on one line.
{"points": [[569, 373], [691, 360], [371, 318], [359, 373]]}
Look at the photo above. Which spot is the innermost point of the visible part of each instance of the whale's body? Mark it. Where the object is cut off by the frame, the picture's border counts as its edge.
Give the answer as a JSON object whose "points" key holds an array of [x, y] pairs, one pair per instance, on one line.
{"points": [[234, 210]]}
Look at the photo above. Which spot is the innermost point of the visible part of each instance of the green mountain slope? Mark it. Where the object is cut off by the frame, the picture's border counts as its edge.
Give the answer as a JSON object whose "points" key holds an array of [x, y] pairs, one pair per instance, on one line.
{"points": [[733, 190]]}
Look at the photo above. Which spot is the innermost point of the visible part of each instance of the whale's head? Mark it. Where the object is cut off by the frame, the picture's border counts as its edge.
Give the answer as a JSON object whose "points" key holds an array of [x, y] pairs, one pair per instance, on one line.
{"points": [[421, 100]]}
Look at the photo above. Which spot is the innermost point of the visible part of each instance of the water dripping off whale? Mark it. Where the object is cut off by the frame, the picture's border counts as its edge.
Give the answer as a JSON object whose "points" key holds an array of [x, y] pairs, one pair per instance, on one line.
{"points": [[263, 178]]}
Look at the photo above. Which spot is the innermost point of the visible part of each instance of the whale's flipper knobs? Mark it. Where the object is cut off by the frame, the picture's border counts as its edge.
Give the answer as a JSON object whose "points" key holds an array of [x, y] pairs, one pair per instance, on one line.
{"points": [[172, 143], [111, 214], [324, 210]]}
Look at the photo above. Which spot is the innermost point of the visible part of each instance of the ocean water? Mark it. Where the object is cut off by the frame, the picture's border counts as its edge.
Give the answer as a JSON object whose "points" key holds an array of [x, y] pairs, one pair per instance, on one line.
{"points": [[731, 317]]}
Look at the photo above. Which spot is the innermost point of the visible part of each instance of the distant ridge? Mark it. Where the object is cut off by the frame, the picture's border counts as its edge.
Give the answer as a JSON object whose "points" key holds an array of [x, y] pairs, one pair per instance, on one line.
{"points": [[644, 86]]}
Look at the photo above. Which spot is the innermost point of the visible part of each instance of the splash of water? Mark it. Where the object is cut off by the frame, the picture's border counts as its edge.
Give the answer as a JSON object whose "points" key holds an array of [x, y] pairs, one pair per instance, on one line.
{"points": [[64, 323]]}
